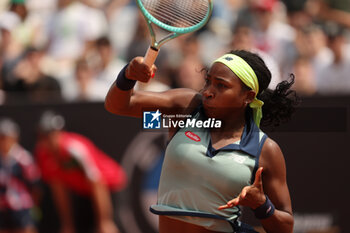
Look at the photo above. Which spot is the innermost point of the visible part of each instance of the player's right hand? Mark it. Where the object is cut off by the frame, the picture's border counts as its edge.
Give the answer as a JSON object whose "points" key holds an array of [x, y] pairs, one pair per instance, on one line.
{"points": [[137, 70]]}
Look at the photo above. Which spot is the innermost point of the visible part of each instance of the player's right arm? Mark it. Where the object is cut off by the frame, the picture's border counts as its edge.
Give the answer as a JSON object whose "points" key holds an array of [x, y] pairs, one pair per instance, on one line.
{"points": [[133, 103]]}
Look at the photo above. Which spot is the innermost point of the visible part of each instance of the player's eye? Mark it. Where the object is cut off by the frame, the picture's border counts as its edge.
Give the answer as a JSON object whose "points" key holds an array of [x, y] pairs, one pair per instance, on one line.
{"points": [[221, 85], [207, 81]]}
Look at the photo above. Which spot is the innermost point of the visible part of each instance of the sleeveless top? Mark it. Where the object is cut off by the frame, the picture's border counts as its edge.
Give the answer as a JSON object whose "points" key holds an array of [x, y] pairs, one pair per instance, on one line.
{"points": [[196, 178]]}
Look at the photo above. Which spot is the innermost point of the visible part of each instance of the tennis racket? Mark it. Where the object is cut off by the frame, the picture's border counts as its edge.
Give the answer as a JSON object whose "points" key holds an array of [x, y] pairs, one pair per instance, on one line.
{"points": [[175, 16]]}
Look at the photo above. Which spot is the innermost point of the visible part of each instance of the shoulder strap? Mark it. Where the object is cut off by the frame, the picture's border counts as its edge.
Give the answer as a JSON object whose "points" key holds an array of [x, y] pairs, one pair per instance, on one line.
{"points": [[261, 144]]}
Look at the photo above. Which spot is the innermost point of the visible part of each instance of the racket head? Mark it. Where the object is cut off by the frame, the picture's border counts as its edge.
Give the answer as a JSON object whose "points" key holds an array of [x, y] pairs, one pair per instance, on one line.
{"points": [[169, 12]]}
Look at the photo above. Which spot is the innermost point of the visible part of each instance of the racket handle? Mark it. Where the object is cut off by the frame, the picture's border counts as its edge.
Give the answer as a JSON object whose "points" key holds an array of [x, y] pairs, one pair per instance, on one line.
{"points": [[150, 56]]}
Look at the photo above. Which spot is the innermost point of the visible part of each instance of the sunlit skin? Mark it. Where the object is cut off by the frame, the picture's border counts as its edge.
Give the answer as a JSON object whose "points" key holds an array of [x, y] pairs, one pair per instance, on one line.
{"points": [[224, 97]]}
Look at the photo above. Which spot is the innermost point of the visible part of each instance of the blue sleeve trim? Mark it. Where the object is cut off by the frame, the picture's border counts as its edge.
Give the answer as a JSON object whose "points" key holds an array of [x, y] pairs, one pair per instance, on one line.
{"points": [[257, 158]]}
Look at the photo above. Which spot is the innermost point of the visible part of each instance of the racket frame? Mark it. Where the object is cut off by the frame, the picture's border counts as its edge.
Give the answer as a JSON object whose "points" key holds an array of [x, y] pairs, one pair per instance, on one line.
{"points": [[152, 51]]}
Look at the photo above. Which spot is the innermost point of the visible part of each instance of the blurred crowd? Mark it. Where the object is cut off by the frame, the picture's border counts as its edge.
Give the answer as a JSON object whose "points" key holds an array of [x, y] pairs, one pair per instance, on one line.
{"points": [[56, 51], [65, 167], [72, 50]]}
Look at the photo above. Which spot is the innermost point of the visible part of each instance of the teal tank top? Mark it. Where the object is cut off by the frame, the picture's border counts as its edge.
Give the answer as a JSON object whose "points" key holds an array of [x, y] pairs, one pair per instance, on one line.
{"points": [[196, 178]]}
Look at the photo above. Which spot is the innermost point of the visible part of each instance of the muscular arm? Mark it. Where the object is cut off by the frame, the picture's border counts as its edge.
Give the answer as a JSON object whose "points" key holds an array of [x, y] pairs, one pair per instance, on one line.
{"points": [[275, 187], [270, 179], [132, 103]]}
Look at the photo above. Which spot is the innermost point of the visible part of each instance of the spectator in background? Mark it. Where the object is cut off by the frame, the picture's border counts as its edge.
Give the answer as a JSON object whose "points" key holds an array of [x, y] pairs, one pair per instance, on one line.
{"points": [[243, 39], [189, 73], [334, 78], [72, 31], [18, 6], [296, 14], [31, 83], [85, 86], [75, 168], [10, 50], [29, 31], [123, 19], [18, 176], [108, 63], [311, 42], [25, 32], [217, 34], [305, 80], [330, 10], [225, 11], [271, 34], [11, 21]]}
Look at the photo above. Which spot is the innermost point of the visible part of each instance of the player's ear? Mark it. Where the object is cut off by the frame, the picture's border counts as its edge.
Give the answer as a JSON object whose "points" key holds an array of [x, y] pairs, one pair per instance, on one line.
{"points": [[250, 95]]}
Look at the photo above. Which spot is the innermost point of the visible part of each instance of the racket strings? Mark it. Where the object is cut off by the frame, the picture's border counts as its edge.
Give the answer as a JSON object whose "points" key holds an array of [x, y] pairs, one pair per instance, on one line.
{"points": [[181, 15], [178, 13]]}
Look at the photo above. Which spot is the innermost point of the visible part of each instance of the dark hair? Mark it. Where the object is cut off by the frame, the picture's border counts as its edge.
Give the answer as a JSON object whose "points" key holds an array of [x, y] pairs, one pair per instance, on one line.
{"points": [[279, 104], [103, 41]]}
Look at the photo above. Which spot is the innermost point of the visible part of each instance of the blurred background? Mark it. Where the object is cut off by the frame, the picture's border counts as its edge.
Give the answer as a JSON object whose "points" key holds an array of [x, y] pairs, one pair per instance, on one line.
{"points": [[63, 55]]}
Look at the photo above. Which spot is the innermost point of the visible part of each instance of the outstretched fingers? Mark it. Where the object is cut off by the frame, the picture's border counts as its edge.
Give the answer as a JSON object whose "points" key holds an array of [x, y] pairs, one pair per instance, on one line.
{"points": [[258, 178], [230, 204], [249, 195]]}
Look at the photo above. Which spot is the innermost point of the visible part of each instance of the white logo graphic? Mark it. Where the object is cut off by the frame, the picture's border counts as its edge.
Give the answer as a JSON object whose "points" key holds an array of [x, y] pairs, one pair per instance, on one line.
{"points": [[151, 120]]}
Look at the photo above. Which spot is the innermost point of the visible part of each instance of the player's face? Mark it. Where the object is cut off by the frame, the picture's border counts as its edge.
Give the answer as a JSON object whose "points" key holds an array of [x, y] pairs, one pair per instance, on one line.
{"points": [[224, 93]]}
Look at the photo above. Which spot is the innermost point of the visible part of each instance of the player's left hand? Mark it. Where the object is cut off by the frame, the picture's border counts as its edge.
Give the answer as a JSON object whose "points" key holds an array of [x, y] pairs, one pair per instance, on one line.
{"points": [[252, 196]]}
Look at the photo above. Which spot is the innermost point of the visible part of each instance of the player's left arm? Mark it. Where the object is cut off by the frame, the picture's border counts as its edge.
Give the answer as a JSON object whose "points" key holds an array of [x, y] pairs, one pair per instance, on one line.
{"points": [[270, 180], [274, 183]]}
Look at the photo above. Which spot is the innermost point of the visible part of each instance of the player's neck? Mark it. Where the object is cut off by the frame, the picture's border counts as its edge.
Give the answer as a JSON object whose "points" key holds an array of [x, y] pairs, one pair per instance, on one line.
{"points": [[231, 128]]}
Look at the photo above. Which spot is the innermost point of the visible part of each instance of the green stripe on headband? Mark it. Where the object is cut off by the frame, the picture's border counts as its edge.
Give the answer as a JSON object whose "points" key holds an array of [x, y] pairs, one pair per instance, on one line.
{"points": [[247, 75]]}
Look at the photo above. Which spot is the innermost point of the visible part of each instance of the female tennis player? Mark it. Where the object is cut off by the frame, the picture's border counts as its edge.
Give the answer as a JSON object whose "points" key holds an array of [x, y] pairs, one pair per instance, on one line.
{"points": [[209, 173]]}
